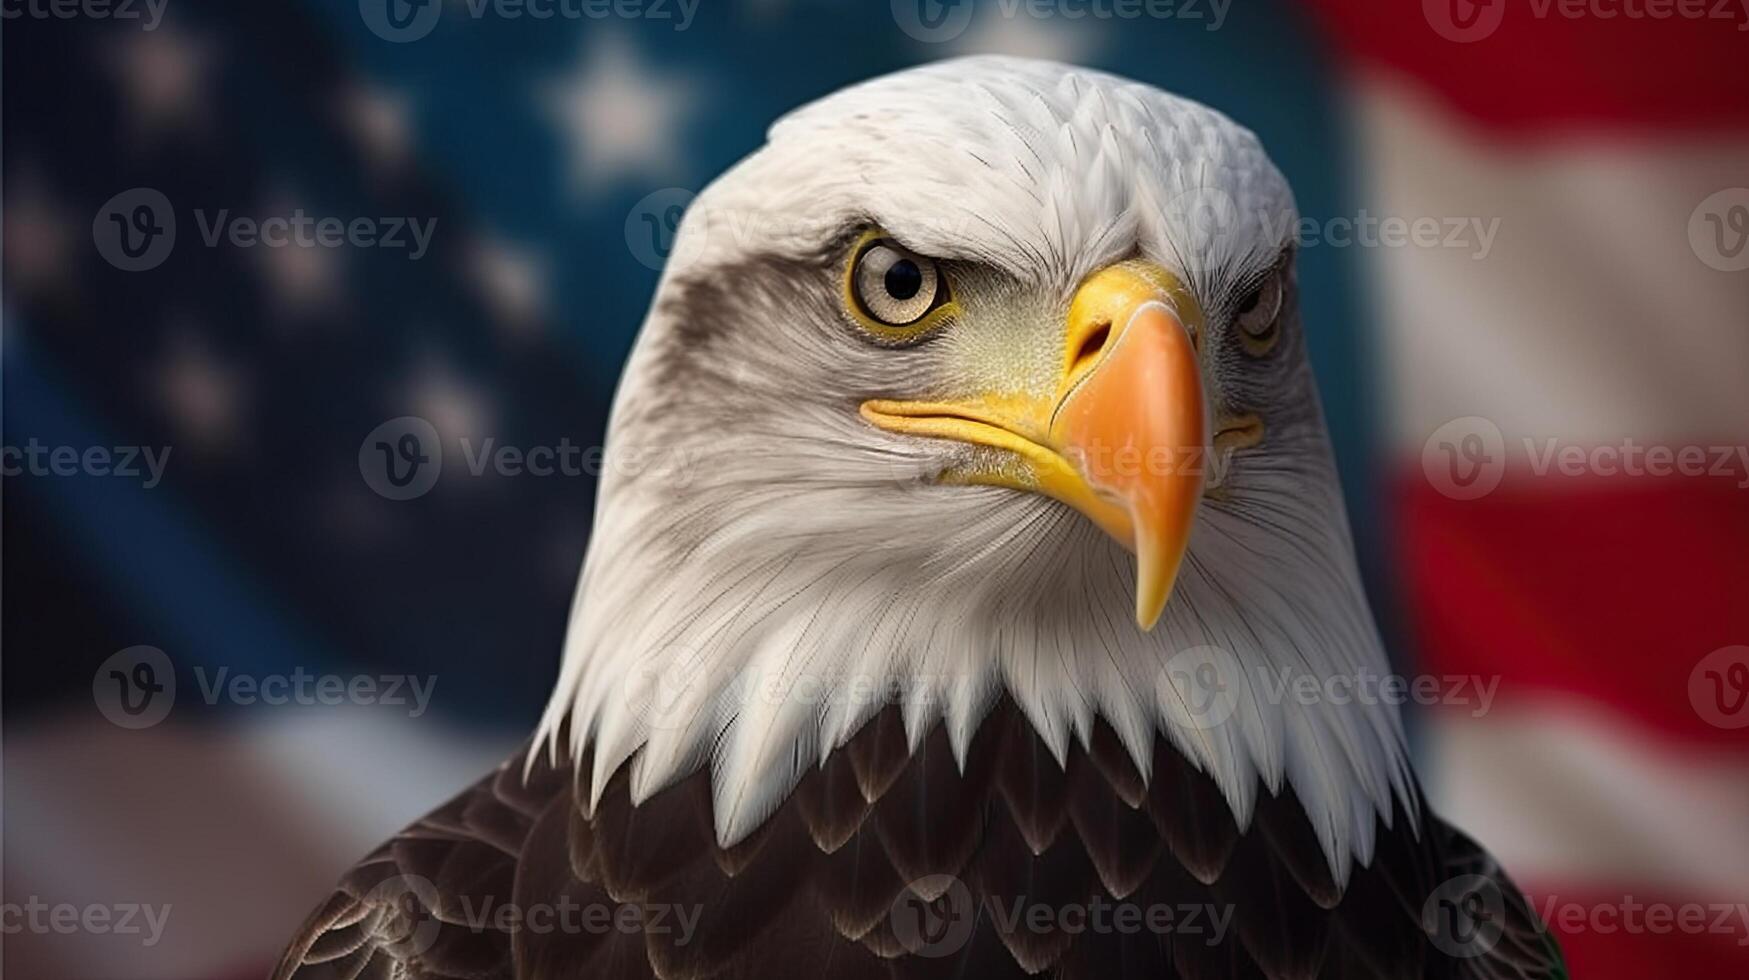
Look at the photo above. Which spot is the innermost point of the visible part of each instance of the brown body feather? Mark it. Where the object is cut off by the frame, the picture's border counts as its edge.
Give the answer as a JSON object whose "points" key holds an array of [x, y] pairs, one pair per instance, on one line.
{"points": [[889, 864]]}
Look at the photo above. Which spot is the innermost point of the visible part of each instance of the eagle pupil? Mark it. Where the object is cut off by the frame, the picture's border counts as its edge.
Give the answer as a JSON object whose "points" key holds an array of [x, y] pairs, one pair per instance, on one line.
{"points": [[903, 279]]}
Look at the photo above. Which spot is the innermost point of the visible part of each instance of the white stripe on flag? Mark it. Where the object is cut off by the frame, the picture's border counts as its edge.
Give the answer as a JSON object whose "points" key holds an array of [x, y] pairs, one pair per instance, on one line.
{"points": [[1562, 795], [1591, 318]]}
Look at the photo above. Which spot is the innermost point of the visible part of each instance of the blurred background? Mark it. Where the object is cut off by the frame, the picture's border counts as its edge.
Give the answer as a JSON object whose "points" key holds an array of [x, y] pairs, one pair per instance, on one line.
{"points": [[241, 647]]}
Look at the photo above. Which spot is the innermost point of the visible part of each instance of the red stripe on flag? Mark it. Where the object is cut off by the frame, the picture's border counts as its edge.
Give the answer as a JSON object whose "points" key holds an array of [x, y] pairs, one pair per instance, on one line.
{"points": [[1535, 65], [1614, 590], [1632, 936]]}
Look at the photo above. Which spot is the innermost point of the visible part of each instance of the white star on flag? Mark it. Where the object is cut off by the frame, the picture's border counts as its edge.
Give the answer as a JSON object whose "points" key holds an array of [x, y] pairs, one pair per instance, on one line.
{"points": [[39, 236], [200, 392], [512, 281], [381, 121], [163, 76], [456, 407], [303, 277], [617, 116]]}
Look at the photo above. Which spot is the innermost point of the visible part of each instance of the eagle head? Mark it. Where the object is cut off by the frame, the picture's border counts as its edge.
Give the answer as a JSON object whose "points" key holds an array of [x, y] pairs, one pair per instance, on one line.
{"points": [[985, 379]]}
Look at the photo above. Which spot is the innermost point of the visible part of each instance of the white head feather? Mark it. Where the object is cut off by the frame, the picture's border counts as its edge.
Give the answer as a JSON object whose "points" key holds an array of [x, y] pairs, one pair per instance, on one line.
{"points": [[750, 608]]}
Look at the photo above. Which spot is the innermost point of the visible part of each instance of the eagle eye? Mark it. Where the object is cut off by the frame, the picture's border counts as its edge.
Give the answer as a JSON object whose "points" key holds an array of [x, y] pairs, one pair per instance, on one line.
{"points": [[1258, 317], [892, 291]]}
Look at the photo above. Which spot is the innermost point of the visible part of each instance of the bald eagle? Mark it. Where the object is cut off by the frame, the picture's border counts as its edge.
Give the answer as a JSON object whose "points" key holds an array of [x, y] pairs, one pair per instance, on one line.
{"points": [[972, 640]]}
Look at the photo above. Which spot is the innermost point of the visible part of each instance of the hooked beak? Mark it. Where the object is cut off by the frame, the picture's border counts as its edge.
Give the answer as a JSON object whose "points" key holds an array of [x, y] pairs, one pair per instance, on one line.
{"points": [[1121, 440]]}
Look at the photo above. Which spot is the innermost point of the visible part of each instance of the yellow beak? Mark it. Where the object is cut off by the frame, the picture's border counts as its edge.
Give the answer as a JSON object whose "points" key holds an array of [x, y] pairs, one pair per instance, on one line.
{"points": [[1121, 439]]}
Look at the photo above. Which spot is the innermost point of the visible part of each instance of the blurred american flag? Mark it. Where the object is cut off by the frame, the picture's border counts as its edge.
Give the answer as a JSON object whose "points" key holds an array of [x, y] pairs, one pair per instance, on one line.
{"points": [[545, 154], [1610, 599]]}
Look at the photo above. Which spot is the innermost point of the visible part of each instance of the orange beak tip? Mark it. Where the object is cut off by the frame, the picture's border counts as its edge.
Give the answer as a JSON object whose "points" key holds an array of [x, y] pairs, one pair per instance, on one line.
{"points": [[1136, 423]]}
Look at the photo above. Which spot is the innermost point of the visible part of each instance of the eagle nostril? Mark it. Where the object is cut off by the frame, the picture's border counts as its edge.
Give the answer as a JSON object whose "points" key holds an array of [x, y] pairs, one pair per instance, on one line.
{"points": [[1091, 346]]}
